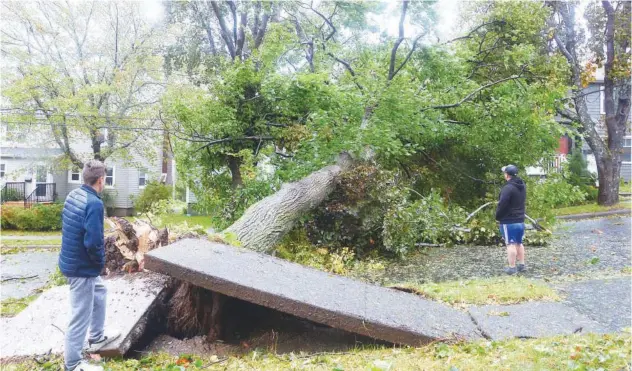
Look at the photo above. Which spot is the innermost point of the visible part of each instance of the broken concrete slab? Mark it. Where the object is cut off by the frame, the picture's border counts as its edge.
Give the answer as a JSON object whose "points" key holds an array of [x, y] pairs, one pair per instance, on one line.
{"points": [[23, 273], [39, 329], [531, 320], [336, 301], [605, 301]]}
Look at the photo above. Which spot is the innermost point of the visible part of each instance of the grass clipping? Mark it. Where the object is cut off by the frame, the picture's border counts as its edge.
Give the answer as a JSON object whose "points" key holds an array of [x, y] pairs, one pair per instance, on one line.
{"points": [[498, 290]]}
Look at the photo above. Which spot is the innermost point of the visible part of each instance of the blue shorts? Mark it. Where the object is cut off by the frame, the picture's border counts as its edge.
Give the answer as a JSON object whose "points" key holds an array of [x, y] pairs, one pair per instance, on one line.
{"points": [[512, 233]]}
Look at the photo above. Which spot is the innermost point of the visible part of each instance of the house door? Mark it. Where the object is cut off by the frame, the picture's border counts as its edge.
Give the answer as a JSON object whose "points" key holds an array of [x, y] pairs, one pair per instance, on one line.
{"points": [[41, 177]]}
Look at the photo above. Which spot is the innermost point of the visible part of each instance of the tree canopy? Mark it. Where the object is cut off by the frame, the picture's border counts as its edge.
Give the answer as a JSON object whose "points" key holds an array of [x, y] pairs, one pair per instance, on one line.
{"points": [[326, 79], [88, 72]]}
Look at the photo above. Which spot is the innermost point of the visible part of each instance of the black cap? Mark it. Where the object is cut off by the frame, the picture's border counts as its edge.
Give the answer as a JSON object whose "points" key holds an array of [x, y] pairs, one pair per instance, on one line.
{"points": [[510, 169]]}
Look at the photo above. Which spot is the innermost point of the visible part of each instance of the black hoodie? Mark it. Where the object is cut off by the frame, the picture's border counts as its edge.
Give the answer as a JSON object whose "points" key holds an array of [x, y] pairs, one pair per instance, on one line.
{"points": [[511, 202]]}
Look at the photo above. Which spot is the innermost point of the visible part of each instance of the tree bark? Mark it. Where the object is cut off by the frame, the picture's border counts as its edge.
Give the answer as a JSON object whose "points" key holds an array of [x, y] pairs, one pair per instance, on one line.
{"points": [[264, 224], [607, 153], [609, 168], [235, 171]]}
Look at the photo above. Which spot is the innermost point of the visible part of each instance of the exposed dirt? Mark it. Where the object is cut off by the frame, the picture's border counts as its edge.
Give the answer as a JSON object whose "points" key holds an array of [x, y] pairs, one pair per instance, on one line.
{"points": [[292, 336], [197, 346]]}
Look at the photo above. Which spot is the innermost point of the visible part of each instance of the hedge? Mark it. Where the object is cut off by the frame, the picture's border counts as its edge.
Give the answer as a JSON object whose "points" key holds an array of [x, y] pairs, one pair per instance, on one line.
{"points": [[36, 218]]}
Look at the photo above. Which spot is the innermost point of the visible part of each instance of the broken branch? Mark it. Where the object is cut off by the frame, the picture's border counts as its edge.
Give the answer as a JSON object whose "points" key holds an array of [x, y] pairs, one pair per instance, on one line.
{"points": [[472, 94]]}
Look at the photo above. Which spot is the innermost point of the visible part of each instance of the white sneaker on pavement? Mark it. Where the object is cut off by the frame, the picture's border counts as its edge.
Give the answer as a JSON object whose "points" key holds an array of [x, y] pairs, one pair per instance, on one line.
{"points": [[85, 366], [107, 337]]}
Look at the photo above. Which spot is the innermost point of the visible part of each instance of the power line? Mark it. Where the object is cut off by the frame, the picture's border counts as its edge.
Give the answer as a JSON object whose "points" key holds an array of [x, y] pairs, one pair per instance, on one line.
{"points": [[5, 112]]}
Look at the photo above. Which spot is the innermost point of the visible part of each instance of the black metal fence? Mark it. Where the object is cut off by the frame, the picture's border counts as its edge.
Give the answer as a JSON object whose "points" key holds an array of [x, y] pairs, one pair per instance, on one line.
{"points": [[13, 191], [16, 192]]}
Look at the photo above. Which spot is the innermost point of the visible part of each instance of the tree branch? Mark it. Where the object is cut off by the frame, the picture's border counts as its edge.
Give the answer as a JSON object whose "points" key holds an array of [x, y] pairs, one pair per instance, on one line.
{"points": [[224, 28], [568, 114], [469, 96], [328, 21], [262, 30], [241, 38], [232, 139], [348, 67], [457, 122], [469, 35], [391, 68], [410, 53]]}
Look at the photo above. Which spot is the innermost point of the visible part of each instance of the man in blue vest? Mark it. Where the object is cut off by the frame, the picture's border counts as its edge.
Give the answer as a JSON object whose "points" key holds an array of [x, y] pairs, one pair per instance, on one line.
{"points": [[510, 214], [81, 260]]}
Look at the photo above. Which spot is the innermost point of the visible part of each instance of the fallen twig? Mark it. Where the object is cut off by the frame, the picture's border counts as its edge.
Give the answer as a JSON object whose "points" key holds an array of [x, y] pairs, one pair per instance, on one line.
{"points": [[216, 362], [423, 244], [55, 326], [477, 210], [18, 278]]}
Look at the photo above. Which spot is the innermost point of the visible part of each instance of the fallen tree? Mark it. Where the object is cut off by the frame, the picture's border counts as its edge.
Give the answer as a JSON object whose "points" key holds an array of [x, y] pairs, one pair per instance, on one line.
{"points": [[264, 224]]}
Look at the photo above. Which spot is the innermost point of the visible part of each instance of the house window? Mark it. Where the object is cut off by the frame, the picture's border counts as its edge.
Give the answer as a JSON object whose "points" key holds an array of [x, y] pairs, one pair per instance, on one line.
{"points": [[602, 100], [2, 168], [627, 142], [142, 178], [74, 176], [109, 176]]}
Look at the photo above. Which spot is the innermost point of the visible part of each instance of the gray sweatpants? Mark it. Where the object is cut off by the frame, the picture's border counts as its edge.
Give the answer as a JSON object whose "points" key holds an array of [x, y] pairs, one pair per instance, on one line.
{"points": [[87, 302]]}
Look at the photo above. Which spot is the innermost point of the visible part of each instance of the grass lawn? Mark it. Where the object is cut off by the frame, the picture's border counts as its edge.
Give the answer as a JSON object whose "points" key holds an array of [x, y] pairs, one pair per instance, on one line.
{"points": [[12, 232], [11, 307], [592, 208], [19, 243], [574, 352], [497, 290]]}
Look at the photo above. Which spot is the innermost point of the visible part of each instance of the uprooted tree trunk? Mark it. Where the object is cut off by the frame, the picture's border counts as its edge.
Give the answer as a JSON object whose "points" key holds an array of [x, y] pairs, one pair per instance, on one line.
{"points": [[127, 243], [265, 223], [194, 310]]}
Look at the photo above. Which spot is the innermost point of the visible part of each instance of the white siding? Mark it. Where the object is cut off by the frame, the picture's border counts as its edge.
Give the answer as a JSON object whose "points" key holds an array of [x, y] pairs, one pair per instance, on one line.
{"points": [[626, 172]]}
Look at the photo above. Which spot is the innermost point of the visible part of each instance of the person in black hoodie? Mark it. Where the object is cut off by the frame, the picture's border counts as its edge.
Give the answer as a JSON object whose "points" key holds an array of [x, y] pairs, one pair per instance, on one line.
{"points": [[510, 214]]}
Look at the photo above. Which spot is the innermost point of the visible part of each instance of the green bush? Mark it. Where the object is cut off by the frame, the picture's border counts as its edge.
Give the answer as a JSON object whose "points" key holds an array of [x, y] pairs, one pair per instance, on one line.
{"points": [[36, 218], [11, 194], [152, 193], [553, 193], [577, 174], [426, 220]]}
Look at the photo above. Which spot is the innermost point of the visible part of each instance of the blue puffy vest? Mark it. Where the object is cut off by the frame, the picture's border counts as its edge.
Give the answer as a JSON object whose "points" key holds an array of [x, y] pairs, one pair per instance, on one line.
{"points": [[82, 251]]}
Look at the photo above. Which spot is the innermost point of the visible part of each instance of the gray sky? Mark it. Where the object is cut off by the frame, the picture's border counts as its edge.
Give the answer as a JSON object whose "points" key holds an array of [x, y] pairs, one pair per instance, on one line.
{"points": [[447, 11]]}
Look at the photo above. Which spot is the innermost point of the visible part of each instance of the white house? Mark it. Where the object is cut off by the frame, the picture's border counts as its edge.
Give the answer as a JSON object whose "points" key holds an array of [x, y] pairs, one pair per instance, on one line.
{"points": [[31, 173], [594, 96]]}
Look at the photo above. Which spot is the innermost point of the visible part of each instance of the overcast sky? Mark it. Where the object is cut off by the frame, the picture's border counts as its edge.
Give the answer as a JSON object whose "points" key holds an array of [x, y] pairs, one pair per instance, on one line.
{"points": [[447, 11]]}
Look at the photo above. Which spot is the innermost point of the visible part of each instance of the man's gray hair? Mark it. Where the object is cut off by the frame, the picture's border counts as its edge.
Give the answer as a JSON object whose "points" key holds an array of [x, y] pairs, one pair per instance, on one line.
{"points": [[92, 171]]}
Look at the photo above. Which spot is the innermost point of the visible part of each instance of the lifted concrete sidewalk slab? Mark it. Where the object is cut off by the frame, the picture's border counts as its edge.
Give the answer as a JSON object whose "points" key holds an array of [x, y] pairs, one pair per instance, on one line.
{"points": [[39, 329], [339, 302], [531, 320]]}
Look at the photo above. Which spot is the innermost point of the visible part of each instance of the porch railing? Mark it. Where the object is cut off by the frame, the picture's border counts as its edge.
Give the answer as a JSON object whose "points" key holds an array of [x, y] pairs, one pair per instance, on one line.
{"points": [[43, 192], [13, 191]]}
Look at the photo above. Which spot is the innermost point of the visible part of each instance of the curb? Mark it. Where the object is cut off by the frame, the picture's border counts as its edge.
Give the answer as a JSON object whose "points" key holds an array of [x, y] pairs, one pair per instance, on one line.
{"points": [[594, 215]]}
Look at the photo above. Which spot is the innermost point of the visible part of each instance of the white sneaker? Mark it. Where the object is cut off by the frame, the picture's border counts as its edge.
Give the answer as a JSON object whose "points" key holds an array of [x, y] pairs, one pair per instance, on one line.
{"points": [[85, 366], [108, 337]]}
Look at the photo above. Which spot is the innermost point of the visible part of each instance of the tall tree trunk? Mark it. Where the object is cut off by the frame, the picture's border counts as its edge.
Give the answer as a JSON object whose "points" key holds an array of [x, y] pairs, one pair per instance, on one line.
{"points": [[235, 171], [608, 168], [264, 224], [607, 153]]}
